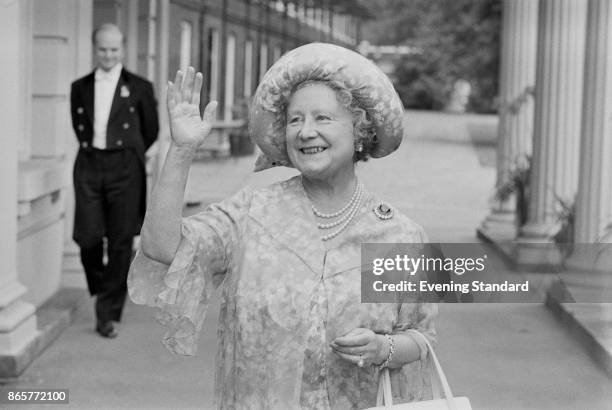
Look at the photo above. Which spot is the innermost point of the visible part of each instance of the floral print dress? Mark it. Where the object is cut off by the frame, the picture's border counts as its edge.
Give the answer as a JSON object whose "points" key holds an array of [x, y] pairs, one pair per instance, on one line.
{"points": [[286, 296]]}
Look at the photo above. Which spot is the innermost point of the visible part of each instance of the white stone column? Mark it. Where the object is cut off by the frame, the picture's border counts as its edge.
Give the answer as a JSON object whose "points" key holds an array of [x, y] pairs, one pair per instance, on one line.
{"points": [[558, 105], [17, 319], [514, 136], [594, 200]]}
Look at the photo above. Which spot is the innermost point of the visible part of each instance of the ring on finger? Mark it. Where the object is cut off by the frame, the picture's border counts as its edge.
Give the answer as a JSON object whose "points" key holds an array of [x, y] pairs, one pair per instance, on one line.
{"points": [[360, 363]]}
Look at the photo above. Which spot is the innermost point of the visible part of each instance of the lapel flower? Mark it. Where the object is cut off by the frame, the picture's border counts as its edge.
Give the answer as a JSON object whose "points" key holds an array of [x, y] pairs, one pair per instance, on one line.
{"points": [[125, 92]]}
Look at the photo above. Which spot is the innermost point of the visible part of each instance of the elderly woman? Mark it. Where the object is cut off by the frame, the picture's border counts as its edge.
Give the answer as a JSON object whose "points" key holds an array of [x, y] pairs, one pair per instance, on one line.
{"points": [[292, 331]]}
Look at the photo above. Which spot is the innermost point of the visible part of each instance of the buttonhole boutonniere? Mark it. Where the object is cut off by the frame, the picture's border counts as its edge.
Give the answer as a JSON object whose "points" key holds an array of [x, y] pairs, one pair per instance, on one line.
{"points": [[125, 92]]}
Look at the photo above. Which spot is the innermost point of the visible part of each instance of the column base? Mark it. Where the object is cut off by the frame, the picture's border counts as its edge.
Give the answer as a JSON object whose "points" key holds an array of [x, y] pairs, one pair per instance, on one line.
{"points": [[499, 226], [49, 321], [17, 326], [535, 249]]}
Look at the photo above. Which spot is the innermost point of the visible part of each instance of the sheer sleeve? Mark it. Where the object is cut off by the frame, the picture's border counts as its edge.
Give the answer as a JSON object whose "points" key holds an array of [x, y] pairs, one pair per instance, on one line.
{"points": [[413, 381], [419, 316], [421, 319], [415, 316], [182, 290]]}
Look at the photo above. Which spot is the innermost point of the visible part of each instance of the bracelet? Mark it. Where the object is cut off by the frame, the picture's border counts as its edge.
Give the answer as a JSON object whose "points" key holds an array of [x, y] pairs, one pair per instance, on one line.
{"points": [[391, 351]]}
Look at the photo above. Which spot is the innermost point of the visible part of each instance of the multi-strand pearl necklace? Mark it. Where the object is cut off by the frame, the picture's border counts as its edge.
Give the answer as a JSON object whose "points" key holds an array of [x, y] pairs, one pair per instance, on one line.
{"points": [[346, 214]]}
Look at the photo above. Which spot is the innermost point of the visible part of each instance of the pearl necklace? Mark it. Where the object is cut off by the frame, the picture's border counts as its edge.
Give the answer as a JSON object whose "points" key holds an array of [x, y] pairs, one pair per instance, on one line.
{"points": [[352, 207], [341, 211]]}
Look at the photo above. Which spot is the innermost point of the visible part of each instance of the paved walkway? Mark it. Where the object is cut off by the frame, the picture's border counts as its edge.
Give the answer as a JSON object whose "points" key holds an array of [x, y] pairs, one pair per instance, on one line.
{"points": [[503, 356]]}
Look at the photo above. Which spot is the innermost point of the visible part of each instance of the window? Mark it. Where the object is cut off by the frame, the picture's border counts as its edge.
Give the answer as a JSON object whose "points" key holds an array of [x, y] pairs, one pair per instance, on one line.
{"points": [[263, 60], [291, 10], [310, 15], [318, 18], [325, 20], [230, 67], [213, 64], [248, 68]]}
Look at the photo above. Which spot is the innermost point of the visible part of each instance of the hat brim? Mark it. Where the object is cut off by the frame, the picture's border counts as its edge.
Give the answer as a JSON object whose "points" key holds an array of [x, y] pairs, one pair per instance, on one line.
{"points": [[323, 62]]}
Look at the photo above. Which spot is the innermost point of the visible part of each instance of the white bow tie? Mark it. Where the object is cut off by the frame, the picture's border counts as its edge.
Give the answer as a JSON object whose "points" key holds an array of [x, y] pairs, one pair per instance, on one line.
{"points": [[103, 76]]}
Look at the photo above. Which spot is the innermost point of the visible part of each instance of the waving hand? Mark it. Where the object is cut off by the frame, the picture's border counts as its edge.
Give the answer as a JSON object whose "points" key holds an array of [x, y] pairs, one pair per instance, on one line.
{"points": [[187, 128]]}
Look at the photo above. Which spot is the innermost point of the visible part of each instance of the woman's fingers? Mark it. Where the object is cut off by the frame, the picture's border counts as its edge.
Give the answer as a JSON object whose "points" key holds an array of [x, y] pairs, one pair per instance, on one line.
{"points": [[355, 337], [170, 98], [359, 360], [349, 350], [178, 78], [178, 83], [187, 87], [197, 89]]}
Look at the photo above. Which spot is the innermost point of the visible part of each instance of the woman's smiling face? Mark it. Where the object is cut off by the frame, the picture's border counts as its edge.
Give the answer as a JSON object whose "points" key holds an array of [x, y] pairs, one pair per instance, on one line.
{"points": [[319, 133]]}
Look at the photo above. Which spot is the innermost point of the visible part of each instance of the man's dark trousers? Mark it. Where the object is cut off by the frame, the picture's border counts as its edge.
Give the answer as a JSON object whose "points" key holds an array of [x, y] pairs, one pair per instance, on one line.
{"points": [[108, 190]]}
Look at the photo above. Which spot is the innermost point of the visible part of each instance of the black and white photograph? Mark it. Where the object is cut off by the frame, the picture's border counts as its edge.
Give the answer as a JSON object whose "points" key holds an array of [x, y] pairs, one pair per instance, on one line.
{"points": [[306, 204]]}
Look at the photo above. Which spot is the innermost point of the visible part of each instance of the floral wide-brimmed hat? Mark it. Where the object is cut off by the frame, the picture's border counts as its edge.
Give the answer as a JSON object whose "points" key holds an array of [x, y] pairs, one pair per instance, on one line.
{"points": [[325, 62]]}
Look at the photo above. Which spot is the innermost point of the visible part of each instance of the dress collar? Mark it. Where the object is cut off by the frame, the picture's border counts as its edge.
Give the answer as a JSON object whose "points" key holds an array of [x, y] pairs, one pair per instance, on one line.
{"points": [[284, 212]]}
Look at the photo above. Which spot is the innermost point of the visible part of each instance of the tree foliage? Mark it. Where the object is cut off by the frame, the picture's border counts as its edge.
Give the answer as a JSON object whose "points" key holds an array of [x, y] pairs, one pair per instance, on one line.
{"points": [[459, 39]]}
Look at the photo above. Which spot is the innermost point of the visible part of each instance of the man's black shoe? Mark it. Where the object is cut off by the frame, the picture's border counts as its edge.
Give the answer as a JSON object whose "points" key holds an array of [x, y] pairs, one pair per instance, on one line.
{"points": [[106, 329]]}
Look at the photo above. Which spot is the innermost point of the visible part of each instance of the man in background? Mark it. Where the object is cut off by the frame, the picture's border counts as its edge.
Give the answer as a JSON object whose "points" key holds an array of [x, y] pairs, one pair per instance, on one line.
{"points": [[114, 116]]}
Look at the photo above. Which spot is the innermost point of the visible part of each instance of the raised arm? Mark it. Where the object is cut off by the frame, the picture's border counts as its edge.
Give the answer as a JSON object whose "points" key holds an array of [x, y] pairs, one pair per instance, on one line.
{"points": [[161, 231]]}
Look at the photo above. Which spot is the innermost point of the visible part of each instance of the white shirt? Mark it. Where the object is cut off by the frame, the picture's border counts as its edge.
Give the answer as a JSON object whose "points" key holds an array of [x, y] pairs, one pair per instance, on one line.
{"points": [[104, 91]]}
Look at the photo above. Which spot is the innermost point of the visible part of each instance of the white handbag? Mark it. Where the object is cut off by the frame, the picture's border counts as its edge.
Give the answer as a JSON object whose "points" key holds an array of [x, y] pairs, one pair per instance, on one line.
{"points": [[384, 399]]}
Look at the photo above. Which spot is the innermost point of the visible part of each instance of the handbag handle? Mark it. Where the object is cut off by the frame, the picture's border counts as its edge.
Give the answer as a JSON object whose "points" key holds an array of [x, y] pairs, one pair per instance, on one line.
{"points": [[384, 385]]}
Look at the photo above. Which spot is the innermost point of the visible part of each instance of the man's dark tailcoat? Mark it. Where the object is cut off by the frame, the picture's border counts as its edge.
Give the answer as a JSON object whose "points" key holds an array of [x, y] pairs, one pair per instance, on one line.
{"points": [[110, 184]]}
